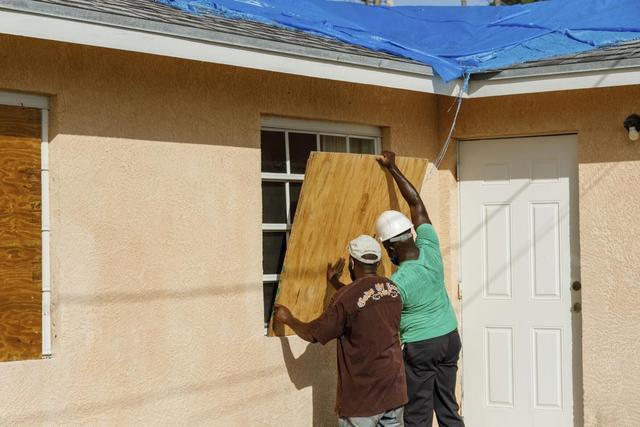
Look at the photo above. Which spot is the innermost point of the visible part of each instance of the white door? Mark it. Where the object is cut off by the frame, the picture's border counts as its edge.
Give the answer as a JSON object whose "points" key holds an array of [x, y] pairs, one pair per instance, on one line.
{"points": [[518, 207]]}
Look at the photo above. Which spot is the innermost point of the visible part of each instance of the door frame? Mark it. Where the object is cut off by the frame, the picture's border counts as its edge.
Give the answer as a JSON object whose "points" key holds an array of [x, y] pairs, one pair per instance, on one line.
{"points": [[576, 321]]}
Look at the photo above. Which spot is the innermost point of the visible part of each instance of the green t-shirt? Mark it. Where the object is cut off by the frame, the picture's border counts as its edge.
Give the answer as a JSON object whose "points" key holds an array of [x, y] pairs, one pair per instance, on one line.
{"points": [[427, 311]]}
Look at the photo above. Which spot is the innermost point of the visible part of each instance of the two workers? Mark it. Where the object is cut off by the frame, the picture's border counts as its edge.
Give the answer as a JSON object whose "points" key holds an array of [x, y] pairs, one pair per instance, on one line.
{"points": [[398, 344]]}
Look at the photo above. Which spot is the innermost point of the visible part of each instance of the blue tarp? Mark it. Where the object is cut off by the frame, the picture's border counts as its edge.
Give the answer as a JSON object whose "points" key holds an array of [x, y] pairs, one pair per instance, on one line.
{"points": [[453, 40]]}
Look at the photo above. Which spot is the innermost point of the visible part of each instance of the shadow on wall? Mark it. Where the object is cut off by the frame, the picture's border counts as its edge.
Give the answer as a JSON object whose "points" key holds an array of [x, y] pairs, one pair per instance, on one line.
{"points": [[315, 368]]}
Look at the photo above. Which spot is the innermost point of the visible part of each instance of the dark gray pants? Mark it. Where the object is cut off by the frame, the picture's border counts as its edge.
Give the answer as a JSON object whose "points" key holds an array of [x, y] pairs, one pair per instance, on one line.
{"points": [[431, 366]]}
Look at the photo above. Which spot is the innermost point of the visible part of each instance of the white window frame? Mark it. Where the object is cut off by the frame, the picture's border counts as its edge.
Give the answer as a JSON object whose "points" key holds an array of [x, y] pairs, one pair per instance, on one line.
{"points": [[42, 103], [287, 125]]}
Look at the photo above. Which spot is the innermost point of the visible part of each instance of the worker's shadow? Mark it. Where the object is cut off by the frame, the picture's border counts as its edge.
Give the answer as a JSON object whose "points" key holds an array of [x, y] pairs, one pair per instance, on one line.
{"points": [[315, 368]]}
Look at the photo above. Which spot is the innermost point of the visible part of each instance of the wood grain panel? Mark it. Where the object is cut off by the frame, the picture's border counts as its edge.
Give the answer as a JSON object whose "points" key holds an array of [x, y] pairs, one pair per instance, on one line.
{"points": [[20, 122], [342, 195], [20, 234]]}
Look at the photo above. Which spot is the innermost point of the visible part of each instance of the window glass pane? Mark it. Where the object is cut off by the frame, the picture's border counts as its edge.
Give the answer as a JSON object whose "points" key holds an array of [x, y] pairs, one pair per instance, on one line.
{"points": [[300, 146], [336, 144], [274, 203], [362, 145], [274, 246], [294, 195], [273, 152], [269, 297]]}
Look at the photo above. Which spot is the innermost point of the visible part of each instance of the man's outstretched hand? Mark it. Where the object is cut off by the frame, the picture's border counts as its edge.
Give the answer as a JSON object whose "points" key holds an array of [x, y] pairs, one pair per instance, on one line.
{"points": [[387, 159], [335, 271], [282, 314]]}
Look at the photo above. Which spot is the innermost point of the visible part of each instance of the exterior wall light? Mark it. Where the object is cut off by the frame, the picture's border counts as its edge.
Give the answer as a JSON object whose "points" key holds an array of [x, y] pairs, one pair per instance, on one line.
{"points": [[632, 123]]}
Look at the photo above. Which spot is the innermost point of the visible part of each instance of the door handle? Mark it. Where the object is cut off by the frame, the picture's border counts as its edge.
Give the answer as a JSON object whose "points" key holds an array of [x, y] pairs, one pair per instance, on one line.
{"points": [[576, 308], [576, 286]]}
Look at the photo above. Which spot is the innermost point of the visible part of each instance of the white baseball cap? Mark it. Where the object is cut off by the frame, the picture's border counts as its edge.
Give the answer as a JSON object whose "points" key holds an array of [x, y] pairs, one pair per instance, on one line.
{"points": [[365, 245]]}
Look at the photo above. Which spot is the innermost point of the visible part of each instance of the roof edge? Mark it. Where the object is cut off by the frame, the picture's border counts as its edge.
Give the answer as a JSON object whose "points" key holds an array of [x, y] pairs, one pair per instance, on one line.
{"points": [[589, 75], [209, 36], [87, 27], [559, 69]]}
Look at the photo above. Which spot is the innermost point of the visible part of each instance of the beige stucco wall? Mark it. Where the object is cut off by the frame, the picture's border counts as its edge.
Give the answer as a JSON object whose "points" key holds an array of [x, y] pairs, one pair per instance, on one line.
{"points": [[156, 239], [155, 189], [609, 208]]}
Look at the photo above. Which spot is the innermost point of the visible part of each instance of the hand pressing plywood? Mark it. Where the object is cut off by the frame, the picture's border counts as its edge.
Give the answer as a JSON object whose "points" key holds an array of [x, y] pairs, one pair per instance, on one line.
{"points": [[341, 197]]}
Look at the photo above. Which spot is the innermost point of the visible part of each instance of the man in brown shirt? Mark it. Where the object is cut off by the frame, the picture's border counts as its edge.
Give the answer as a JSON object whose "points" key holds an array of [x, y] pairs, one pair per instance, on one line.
{"points": [[365, 318]]}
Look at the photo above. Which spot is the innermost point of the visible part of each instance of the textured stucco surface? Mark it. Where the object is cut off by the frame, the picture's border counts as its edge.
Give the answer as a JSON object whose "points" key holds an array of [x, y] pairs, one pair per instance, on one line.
{"points": [[156, 239], [155, 188], [609, 205]]}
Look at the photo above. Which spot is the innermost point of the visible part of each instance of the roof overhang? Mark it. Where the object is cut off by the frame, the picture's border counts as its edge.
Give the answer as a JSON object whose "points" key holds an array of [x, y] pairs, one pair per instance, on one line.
{"points": [[93, 28], [584, 75], [86, 27]]}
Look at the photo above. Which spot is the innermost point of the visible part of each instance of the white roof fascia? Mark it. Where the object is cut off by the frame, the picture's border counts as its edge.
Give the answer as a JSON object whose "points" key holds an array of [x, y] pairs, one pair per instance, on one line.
{"points": [[536, 83], [64, 29], [47, 22]]}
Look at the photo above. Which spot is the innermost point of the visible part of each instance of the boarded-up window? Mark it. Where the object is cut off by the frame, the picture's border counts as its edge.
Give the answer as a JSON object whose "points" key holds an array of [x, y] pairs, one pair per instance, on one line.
{"points": [[20, 234], [341, 197], [285, 150]]}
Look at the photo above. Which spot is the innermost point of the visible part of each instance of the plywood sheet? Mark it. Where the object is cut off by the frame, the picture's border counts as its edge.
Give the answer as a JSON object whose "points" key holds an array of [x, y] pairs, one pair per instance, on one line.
{"points": [[20, 237], [342, 195]]}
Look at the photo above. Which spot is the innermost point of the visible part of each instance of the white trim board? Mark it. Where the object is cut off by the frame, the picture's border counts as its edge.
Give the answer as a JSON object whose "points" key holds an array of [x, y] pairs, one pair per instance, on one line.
{"points": [[92, 34], [195, 47], [46, 235], [555, 82], [320, 126], [24, 100]]}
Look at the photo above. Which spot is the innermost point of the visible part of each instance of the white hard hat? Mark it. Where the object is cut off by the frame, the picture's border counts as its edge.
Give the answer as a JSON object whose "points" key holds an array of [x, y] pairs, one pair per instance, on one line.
{"points": [[365, 245], [390, 224]]}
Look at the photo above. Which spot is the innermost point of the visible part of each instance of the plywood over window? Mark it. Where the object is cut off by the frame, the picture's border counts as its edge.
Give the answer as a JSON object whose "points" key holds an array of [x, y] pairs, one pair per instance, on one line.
{"points": [[20, 234], [341, 197]]}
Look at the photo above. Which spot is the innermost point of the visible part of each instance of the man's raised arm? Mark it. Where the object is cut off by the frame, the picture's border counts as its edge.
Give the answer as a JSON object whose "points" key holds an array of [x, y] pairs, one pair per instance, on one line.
{"points": [[418, 211]]}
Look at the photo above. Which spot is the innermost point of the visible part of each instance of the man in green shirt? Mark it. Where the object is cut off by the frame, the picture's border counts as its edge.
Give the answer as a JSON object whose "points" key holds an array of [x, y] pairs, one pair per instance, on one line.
{"points": [[428, 326]]}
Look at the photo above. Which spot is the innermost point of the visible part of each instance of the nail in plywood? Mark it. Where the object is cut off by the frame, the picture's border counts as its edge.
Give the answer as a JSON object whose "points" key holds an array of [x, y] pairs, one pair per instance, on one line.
{"points": [[20, 234], [342, 195]]}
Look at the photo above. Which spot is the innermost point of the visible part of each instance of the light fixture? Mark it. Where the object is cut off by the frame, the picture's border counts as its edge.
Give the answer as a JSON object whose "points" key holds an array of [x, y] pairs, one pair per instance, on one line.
{"points": [[632, 123]]}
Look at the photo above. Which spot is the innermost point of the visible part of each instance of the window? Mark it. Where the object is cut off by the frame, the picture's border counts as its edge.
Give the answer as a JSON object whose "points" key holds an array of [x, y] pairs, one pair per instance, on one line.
{"points": [[24, 220], [285, 147]]}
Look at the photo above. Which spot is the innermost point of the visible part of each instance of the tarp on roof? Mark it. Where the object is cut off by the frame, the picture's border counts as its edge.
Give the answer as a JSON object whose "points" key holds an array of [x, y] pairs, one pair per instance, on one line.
{"points": [[453, 40]]}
